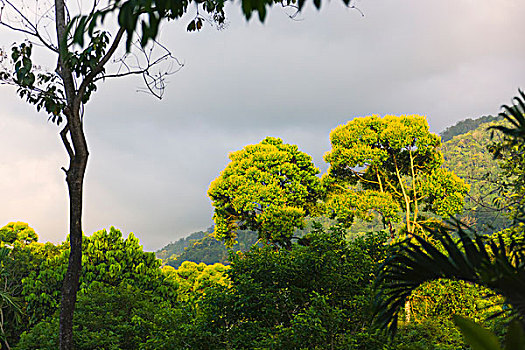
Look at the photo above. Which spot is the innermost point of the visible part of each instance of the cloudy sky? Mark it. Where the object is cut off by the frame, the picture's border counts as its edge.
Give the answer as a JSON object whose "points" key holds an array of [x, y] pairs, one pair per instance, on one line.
{"points": [[152, 161]]}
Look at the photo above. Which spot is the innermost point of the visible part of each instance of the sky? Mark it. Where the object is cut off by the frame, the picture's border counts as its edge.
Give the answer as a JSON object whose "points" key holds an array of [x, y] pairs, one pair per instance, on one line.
{"points": [[151, 161]]}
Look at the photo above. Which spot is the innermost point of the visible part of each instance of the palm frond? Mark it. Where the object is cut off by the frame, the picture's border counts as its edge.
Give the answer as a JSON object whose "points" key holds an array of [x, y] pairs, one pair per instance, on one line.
{"points": [[417, 261], [515, 116]]}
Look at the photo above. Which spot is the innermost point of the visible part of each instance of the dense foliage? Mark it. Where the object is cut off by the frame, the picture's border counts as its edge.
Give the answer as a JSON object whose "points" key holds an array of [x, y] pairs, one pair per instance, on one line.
{"points": [[269, 187], [466, 125], [390, 165], [315, 295], [313, 292], [469, 156]]}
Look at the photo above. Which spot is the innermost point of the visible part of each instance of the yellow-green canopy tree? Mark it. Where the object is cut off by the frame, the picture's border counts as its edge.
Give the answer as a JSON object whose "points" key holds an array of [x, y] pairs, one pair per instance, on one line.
{"points": [[269, 187], [17, 233], [390, 165]]}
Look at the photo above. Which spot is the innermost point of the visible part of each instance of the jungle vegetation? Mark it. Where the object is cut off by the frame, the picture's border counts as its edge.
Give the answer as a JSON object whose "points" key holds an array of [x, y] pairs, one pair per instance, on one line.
{"points": [[310, 273]]}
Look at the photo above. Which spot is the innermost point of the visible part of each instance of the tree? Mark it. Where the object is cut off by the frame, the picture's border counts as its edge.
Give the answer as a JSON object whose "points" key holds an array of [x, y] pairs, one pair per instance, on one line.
{"points": [[62, 94], [20, 254], [17, 233], [108, 258], [269, 187], [388, 165], [315, 295], [9, 306], [113, 317], [193, 279], [495, 262]]}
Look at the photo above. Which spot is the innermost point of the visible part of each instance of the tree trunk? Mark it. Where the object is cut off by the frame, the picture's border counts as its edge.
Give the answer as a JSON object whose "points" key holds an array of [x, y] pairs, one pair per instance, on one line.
{"points": [[408, 310], [77, 150], [75, 180]]}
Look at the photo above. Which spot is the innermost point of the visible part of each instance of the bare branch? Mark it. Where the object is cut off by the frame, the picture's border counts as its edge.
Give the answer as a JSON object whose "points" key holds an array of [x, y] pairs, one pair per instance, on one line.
{"points": [[27, 27], [145, 69], [353, 7], [155, 82]]}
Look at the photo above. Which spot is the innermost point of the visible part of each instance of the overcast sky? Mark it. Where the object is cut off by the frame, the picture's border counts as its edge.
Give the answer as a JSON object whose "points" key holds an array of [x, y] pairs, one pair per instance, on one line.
{"points": [[152, 161]]}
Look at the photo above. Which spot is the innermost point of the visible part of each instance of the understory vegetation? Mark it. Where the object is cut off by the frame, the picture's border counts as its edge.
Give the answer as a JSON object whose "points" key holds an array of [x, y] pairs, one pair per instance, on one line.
{"points": [[399, 240]]}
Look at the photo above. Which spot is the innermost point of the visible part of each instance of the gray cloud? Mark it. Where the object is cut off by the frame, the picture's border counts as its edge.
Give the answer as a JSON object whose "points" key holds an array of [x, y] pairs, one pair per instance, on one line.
{"points": [[152, 161]]}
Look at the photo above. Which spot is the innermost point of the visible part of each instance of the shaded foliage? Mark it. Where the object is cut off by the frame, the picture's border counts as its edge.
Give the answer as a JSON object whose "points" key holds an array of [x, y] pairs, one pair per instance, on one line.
{"points": [[315, 295], [472, 258], [111, 317], [466, 126]]}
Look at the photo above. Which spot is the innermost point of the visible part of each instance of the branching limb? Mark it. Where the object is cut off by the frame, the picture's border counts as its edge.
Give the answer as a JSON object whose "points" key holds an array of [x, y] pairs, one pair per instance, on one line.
{"points": [[26, 26], [67, 144], [99, 68]]}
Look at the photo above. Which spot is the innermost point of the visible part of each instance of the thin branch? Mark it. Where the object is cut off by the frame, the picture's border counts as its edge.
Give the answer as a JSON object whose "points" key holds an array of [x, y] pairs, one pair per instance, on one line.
{"points": [[67, 145], [100, 66], [32, 31], [141, 71]]}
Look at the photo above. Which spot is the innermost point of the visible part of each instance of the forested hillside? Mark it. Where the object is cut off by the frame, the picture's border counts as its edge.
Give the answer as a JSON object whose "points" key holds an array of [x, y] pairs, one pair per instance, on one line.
{"points": [[177, 247], [468, 156], [465, 126], [335, 279], [202, 247], [205, 249]]}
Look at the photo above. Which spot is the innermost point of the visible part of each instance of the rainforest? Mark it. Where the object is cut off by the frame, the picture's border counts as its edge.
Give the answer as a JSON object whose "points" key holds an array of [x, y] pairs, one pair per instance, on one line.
{"points": [[406, 242]]}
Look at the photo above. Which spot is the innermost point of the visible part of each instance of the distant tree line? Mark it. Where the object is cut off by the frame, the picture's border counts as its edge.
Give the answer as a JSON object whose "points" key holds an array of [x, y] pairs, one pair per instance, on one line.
{"points": [[466, 125]]}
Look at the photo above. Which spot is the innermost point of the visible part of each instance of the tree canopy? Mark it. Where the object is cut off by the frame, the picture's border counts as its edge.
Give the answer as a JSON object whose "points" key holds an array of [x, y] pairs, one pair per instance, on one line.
{"points": [[388, 165], [269, 187], [142, 18]]}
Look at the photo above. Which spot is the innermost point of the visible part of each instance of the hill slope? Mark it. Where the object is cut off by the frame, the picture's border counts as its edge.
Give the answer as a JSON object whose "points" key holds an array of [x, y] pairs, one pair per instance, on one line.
{"points": [[467, 156], [465, 126]]}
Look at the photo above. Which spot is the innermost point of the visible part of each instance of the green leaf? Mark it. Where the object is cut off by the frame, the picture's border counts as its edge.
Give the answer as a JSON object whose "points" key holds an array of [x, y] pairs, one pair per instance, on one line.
{"points": [[191, 26], [515, 339], [476, 336]]}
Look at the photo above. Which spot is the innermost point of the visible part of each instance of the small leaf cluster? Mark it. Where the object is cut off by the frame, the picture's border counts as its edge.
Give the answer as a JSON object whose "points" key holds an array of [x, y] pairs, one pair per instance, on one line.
{"points": [[42, 89], [87, 60]]}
